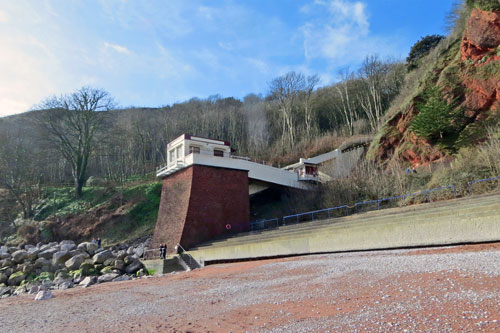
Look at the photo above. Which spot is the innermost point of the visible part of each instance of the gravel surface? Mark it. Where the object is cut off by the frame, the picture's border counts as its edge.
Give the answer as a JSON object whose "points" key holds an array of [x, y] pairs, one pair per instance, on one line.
{"points": [[429, 290]]}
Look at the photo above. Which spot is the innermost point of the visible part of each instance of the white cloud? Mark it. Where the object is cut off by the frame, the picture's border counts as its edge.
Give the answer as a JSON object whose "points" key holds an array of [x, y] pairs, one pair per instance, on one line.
{"points": [[117, 48], [339, 34]]}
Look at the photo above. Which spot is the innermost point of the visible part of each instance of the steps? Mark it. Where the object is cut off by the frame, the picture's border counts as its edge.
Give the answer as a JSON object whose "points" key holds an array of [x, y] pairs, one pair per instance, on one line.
{"points": [[471, 219]]}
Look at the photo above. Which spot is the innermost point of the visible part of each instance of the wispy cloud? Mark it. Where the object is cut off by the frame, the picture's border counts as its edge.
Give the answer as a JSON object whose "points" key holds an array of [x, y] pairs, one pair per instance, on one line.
{"points": [[117, 48]]}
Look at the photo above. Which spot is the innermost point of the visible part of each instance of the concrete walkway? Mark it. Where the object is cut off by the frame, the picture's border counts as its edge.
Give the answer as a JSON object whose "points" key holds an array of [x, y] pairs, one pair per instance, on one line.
{"points": [[466, 220]]}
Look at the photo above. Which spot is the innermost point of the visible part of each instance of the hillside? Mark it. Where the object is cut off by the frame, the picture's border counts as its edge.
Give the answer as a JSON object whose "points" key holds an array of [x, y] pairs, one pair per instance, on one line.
{"points": [[462, 74]]}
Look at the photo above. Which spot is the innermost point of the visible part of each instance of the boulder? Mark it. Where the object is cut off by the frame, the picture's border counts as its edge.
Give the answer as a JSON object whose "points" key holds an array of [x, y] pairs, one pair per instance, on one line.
{"points": [[6, 263], [5, 255], [91, 247], [109, 262], [129, 259], [4, 249], [26, 268], [123, 277], [48, 253], [34, 290], [75, 262], [68, 246], [107, 277], [19, 290], [107, 269], [130, 251], [16, 278], [43, 295], [60, 257], [42, 262], [19, 256], [134, 267], [139, 251], [121, 254], [85, 268], [119, 264], [32, 254], [3, 277], [88, 281], [5, 291], [102, 256], [63, 285]]}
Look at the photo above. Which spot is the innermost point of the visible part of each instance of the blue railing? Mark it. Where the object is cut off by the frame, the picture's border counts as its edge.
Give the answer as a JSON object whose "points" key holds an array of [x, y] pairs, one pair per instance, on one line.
{"points": [[480, 181], [404, 196], [327, 210], [265, 224]]}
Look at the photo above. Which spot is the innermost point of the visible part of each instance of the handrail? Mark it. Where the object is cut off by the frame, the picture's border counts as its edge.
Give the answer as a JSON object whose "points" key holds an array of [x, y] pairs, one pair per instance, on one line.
{"points": [[479, 181], [263, 223], [190, 257], [314, 212]]}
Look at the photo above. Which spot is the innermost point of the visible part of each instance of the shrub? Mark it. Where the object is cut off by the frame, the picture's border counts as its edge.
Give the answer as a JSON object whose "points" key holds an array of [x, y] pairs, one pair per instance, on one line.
{"points": [[422, 48], [487, 5], [438, 120]]}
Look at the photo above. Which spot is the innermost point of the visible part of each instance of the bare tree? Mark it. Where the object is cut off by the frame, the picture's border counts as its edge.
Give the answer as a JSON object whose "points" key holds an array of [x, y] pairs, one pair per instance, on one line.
{"points": [[309, 86], [343, 91], [19, 170], [285, 90], [72, 123]]}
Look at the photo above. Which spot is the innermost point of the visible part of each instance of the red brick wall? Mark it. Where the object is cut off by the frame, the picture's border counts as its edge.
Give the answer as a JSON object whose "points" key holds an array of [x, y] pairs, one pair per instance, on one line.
{"points": [[198, 202]]}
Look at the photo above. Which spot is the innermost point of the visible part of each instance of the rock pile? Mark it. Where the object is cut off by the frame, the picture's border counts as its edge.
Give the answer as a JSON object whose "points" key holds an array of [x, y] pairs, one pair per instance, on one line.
{"points": [[33, 269]]}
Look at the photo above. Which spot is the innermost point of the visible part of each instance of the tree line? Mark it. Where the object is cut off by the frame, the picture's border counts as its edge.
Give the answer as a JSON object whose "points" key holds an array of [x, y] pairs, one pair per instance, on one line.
{"points": [[71, 137]]}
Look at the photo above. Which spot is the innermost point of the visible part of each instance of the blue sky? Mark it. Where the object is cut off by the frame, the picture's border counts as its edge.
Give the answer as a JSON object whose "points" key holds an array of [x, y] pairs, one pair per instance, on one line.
{"points": [[158, 52]]}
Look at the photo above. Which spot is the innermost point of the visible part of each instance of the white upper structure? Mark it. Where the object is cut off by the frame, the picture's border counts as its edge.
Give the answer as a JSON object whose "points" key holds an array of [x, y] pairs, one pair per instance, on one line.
{"points": [[187, 150]]}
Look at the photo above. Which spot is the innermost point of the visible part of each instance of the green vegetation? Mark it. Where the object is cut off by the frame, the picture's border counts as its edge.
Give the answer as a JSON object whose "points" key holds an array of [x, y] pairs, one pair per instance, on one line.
{"points": [[487, 5], [438, 121], [420, 49]]}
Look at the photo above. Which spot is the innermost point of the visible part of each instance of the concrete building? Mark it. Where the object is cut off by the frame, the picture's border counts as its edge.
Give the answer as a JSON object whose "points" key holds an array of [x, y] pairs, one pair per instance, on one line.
{"points": [[206, 189]]}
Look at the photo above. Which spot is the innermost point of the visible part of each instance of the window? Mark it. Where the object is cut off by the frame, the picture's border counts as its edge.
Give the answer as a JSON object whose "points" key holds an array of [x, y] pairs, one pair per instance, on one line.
{"points": [[219, 153], [194, 149], [178, 151], [171, 156]]}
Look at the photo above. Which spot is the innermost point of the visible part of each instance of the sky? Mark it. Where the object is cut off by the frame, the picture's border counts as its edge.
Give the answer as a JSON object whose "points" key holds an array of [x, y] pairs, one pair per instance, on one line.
{"points": [[159, 52]]}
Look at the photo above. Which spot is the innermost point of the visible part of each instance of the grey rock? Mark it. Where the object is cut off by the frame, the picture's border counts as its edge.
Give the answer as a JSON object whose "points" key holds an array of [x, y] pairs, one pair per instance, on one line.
{"points": [[19, 256], [5, 255], [47, 253], [65, 285], [119, 264], [3, 277], [19, 290], [91, 248], [101, 257], [6, 263], [60, 257], [41, 262], [121, 254], [32, 254], [129, 259], [134, 267], [5, 291], [123, 277], [34, 290], [130, 251], [15, 279], [43, 295], [4, 249], [88, 281], [109, 262], [68, 247], [27, 268], [107, 277], [139, 251], [75, 262]]}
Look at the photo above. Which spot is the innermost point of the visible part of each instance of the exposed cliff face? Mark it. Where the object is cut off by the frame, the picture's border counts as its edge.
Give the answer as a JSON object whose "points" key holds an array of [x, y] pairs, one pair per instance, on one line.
{"points": [[467, 70]]}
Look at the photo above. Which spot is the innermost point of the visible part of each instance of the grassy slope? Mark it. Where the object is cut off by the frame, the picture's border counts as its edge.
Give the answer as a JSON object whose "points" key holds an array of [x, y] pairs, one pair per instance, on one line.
{"points": [[116, 214]]}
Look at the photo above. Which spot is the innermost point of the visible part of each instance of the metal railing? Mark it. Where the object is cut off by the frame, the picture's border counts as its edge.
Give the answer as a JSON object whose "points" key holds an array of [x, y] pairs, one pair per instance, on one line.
{"points": [[264, 224], [187, 258], [469, 184], [404, 196], [312, 213]]}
